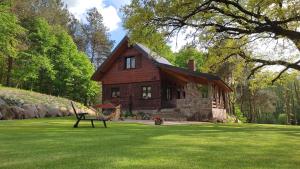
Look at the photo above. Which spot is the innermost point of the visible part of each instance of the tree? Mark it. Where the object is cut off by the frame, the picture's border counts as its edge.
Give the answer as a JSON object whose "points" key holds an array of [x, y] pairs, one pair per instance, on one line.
{"points": [[53, 65], [156, 43], [187, 53], [54, 11], [98, 45], [214, 20], [10, 33]]}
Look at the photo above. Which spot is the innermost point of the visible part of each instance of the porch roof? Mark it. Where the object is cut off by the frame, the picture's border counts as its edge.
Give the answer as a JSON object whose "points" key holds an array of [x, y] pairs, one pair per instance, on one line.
{"points": [[194, 76]]}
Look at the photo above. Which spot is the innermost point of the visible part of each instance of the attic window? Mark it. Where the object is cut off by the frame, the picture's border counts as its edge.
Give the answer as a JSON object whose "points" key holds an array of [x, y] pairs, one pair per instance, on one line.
{"points": [[130, 62]]}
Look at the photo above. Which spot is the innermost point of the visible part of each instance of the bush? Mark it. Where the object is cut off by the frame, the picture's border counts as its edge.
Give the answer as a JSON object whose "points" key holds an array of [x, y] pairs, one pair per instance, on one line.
{"points": [[144, 116], [239, 114], [128, 114], [282, 119]]}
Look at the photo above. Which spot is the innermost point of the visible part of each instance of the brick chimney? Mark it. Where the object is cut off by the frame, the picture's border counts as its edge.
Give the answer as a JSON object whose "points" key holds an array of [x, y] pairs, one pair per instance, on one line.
{"points": [[191, 65]]}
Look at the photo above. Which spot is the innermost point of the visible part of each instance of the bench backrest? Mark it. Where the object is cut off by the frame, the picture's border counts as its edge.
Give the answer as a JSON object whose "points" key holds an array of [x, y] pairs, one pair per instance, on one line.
{"points": [[74, 109]]}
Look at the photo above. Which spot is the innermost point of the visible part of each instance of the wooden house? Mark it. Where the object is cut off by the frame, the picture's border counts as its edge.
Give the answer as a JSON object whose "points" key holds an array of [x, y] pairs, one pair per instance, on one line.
{"points": [[142, 81]]}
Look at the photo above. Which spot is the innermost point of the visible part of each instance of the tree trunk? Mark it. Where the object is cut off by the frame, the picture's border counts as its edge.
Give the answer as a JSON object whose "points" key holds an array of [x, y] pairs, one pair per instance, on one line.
{"points": [[250, 110], [9, 70], [287, 106]]}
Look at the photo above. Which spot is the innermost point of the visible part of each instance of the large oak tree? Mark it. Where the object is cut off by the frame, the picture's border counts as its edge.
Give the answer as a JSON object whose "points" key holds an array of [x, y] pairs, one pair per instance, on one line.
{"points": [[217, 20]]}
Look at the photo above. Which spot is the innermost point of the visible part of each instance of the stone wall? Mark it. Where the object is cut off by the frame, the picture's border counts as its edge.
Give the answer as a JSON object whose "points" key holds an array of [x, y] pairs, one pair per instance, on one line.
{"points": [[195, 107], [219, 114]]}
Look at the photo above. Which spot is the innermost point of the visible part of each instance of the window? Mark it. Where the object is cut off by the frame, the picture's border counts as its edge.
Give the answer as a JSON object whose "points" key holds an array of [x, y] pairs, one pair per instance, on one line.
{"points": [[130, 63], [169, 93], [146, 92], [115, 92]]}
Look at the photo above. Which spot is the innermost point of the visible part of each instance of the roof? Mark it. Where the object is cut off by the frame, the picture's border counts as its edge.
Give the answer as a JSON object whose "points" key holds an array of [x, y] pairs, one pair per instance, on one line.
{"points": [[160, 62], [152, 54]]}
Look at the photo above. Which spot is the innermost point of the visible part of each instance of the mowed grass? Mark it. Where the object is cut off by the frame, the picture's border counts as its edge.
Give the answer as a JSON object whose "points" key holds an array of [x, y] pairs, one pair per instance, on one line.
{"points": [[53, 143]]}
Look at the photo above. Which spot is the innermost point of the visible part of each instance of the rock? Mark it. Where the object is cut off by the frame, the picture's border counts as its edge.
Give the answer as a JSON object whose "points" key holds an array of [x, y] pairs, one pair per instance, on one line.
{"points": [[53, 111], [4, 110], [30, 111], [17, 112], [2, 102], [64, 111], [41, 110]]}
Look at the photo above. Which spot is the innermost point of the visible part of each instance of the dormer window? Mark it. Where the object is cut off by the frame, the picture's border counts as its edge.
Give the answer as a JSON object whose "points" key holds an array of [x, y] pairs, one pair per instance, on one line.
{"points": [[130, 62]]}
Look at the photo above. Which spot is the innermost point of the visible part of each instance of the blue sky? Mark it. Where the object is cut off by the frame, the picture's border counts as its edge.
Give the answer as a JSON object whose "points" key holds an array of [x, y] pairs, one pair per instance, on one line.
{"points": [[110, 10], [112, 17]]}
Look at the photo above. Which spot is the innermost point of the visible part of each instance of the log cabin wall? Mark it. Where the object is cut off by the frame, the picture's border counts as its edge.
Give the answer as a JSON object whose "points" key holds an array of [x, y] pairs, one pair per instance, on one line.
{"points": [[145, 70], [131, 93], [131, 81]]}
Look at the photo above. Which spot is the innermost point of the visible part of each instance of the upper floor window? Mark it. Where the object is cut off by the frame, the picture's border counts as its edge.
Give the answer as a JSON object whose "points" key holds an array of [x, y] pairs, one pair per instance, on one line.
{"points": [[146, 92], [130, 63], [115, 92]]}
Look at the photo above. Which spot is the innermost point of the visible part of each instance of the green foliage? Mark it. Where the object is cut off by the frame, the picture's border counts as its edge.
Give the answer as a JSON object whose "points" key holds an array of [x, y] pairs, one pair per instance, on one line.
{"points": [[239, 114], [128, 114], [42, 56], [282, 119], [10, 34], [187, 53], [145, 34], [267, 118], [97, 42], [53, 65]]}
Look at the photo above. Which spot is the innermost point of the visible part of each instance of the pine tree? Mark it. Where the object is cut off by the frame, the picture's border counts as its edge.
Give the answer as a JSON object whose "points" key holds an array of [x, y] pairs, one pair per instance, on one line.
{"points": [[98, 44]]}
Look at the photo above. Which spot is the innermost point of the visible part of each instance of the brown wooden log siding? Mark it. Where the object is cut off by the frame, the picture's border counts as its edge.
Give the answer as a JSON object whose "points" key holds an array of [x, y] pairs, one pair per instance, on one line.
{"points": [[133, 92], [131, 81], [145, 71]]}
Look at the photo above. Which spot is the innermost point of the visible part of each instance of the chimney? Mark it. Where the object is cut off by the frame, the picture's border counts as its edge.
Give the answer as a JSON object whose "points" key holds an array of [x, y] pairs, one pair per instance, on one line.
{"points": [[191, 65]]}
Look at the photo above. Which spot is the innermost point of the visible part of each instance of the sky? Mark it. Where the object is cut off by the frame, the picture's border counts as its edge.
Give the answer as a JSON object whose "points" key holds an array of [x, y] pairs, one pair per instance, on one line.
{"points": [[110, 10]]}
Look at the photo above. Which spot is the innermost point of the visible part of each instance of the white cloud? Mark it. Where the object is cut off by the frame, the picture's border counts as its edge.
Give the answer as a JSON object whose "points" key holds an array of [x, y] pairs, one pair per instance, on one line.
{"points": [[110, 15]]}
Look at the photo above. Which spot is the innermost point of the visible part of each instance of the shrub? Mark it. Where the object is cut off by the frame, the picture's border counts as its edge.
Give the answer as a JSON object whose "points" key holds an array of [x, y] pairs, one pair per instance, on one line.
{"points": [[144, 116], [282, 119], [239, 114], [128, 114]]}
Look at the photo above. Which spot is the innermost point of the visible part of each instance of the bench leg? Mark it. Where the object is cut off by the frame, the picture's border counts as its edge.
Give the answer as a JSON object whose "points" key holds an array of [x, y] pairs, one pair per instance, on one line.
{"points": [[92, 121], [76, 124], [104, 123]]}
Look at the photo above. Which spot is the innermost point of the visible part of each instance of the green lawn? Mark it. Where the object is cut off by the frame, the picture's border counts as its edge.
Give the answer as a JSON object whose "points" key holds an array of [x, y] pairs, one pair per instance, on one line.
{"points": [[53, 143]]}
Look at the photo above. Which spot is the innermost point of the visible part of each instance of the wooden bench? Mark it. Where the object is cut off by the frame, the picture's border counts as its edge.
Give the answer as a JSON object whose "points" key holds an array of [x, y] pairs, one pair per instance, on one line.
{"points": [[81, 116]]}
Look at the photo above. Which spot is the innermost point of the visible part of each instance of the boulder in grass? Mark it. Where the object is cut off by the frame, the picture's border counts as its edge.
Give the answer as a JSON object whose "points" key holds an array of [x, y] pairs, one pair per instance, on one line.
{"points": [[2, 102], [41, 110], [64, 111], [17, 112], [53, 111], [30, 111], [4, 110]]}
